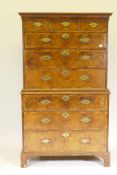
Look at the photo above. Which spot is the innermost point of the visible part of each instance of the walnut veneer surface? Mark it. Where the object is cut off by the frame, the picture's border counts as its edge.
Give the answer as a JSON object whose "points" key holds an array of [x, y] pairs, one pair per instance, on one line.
{"points": [[65, 100]]}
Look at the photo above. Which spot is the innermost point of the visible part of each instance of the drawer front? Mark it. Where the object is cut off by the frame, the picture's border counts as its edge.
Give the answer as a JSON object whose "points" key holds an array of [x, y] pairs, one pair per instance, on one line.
{"points": [[37, 25], [35, 59], [68, 78], [65, 120], [66, 40], [65, 142], [93, 26], [40, 25], [69, 102], [65, 25]]}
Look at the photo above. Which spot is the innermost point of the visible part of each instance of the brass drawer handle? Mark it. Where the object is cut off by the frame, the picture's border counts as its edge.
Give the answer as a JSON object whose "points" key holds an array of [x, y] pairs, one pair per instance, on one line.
{"points": [[46, 78], [65, 115], [37, 24], [65, 98], [65, 134], [85, 140], [45, 101], [65, 24], [45, 141], [93, 24], [84, 77], [85, 102], [65, 53], [85, 120], [45, 57], [84, 57], [45, 120], [65, 72], [65, 36], [85, 40], [46, 40]]}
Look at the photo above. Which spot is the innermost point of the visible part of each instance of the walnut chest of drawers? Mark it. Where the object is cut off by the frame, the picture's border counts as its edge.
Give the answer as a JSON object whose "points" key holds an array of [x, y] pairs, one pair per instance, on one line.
{"points": [[65, 100]]}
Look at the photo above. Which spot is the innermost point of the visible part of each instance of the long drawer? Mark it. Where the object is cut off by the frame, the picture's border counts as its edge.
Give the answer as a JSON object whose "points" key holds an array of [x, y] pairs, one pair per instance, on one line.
{"points": [[64, 78], [64, 120], [66, 40], [35, 59], [61, 102], [64, 142]]}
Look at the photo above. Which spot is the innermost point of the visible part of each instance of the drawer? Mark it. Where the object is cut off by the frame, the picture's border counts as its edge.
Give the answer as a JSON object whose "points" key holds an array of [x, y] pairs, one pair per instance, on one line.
{"points": [[68, 78], [37, 25], [69, 102], [65, 142], [93, 26], [35, 59], [65, 25], [66, 40], [65, 120]]}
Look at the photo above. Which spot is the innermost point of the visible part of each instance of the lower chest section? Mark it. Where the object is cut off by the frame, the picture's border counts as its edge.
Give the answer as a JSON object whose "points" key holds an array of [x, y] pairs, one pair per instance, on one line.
{"points": [[65, 124]]}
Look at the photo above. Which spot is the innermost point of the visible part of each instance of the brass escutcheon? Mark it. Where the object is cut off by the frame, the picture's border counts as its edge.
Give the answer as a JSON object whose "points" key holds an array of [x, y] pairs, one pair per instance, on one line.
{"points": [[45, 57], [85, 102], [85, 40], [85, 119], [46, 78], [93, 24], [45, 141], [85, 140], [65, 24], [84, 77], [45, 120], [84, 57], [65, 115], [65, 53], [46, 40], [45, 101], [65, 72], [65, 98], [65, 36], [65, 134], [37, 24]]}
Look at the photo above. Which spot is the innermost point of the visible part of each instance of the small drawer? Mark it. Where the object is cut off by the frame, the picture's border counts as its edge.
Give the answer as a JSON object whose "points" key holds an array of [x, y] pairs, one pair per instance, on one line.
{"points": [[68, 78], [60, 102], [64, 142], [65, 25], [37, 25], [65, 40], [93, 26], [65, 120], [35, 59]]}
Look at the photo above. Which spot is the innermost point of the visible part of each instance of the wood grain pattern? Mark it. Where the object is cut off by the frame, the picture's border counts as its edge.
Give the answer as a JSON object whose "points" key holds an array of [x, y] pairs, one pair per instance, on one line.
{"points": [[95, 40], [65, 120], [47, 79], [101, 26], [36, 59], [45, 25], [59, 144], [56, 102], [65, 25]]}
